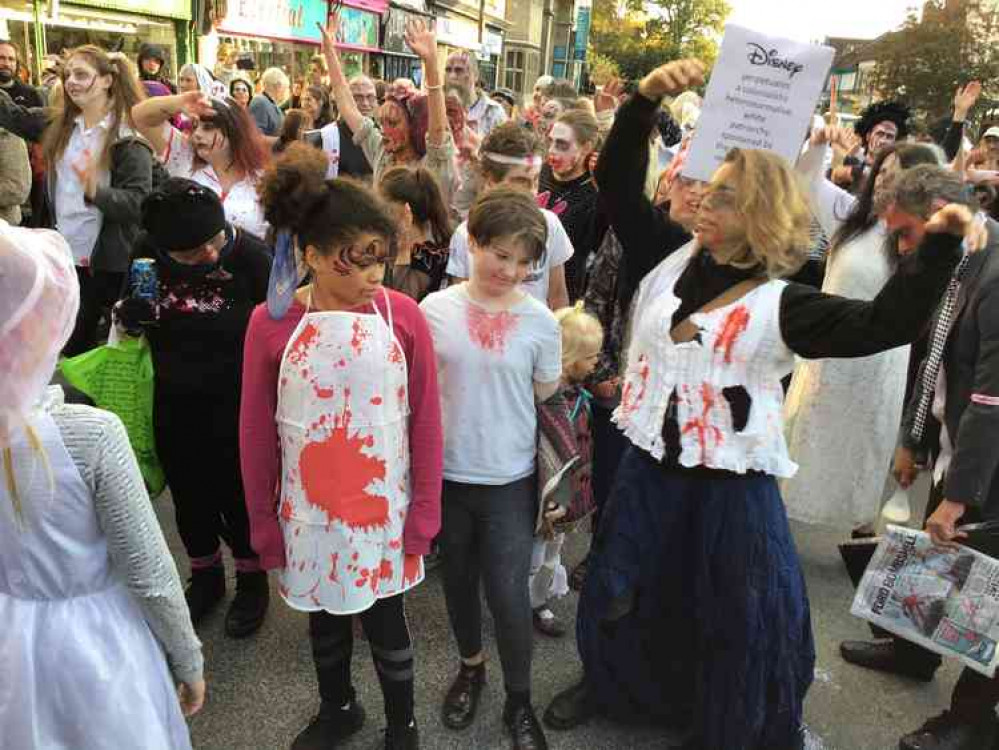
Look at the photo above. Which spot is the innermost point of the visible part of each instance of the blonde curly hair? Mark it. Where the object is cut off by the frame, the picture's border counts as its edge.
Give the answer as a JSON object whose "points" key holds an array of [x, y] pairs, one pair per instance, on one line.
{"points": [[774, 211]]}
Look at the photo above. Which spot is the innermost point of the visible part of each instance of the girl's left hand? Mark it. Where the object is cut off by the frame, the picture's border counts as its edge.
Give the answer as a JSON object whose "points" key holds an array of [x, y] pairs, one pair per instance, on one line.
{"points": [[86, 172], [421, 39]]}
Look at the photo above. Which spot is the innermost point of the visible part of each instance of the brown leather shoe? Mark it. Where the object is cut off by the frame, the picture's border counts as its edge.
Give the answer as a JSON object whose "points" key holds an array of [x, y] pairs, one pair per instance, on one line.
{"points": [[948, 732], [883, 657]]}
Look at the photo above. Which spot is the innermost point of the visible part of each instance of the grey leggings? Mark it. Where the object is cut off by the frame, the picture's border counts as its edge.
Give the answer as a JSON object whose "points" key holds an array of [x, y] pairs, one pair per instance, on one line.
{"points": [[487, 535]]}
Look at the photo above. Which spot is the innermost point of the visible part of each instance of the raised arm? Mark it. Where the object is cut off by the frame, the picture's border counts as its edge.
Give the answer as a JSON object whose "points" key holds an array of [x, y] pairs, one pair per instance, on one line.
{"points": [[152, 116], [830, 203], [345, 103], [423, 42], [817, 325], [964, 101]]}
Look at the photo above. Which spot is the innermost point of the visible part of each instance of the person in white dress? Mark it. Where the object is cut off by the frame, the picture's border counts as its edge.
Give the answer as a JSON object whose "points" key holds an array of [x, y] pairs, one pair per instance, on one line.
{"points": [[842, 415], [95, 632], [225, 151]]}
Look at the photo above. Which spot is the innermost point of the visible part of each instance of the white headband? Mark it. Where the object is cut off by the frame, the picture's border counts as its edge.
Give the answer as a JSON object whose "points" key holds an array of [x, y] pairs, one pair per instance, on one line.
{"points": [[513, 161]]}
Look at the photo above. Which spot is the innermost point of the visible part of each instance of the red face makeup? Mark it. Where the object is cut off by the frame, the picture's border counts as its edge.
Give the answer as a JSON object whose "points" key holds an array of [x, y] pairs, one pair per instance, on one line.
{"points": [[395, 128], [564, 154]]}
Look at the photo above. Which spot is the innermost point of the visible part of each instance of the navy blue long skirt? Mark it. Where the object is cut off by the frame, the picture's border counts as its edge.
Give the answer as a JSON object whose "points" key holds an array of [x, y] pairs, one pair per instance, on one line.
{"points": [[694, 612]]}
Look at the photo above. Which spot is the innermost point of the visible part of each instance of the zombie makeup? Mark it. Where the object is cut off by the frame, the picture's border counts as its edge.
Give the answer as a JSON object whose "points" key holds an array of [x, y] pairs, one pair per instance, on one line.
{"points": [[209, 141], [83, 84], [550, 112], [565, 156], [884, 134], [241, 93], [395, 128]]}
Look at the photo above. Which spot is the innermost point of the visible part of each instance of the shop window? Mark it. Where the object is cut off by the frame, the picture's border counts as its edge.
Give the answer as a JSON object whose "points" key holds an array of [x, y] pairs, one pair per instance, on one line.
{"points": [[514, 78]]}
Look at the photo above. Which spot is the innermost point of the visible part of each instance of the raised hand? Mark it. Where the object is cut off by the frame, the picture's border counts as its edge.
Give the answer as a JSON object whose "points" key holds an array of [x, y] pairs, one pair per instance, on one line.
{"points": [[672, 78], [421, 39], [606, 98], [329, 32], [196, 104], [959, 221], [965, 99]]}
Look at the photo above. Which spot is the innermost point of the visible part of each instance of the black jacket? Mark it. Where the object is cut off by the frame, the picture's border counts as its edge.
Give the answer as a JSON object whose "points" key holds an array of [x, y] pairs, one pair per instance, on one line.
{"points": [[971, 370], [132, 164], [353, 162]]}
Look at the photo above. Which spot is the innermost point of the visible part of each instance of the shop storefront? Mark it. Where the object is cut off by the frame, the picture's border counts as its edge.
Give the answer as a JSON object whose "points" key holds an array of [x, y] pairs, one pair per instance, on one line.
{"points": [[360, 27], [277, 33], [489, 57], [456, 33], [121, 25], [399, 60]]}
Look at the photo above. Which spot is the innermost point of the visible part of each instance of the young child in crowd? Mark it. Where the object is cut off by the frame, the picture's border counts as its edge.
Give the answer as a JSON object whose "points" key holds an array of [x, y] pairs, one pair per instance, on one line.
{"points": [[341, 422], [582, 341], [498, 352]]}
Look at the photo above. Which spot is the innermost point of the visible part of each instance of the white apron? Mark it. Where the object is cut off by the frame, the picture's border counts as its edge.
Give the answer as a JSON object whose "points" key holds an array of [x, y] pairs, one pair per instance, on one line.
{"points": [[79, 667], [343, 422]]}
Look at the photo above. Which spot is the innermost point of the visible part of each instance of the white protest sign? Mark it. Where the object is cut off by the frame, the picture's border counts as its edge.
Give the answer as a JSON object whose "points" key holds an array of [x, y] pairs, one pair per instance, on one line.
{"points": [[762, 93]]}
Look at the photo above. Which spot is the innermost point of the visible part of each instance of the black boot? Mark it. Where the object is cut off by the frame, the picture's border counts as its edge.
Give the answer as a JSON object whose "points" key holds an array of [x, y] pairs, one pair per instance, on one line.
{"points": [[951, 732], [571, 708], [248, 608], [404, 738], [331, 725], [462, 700], [884, 656], [524, 728], [204, 591]]}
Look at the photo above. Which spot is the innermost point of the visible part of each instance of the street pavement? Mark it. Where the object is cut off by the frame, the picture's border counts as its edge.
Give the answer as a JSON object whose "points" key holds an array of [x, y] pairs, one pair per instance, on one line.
{"points": [[262, 690]]}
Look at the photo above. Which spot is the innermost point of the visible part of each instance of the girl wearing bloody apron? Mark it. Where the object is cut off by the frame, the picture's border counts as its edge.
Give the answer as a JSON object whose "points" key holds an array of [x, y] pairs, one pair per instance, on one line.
{"points": [[341, 434]]}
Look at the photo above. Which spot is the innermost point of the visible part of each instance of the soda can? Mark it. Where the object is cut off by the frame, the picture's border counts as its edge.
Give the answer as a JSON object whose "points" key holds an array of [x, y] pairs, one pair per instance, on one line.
{"points": [[143, 280]]}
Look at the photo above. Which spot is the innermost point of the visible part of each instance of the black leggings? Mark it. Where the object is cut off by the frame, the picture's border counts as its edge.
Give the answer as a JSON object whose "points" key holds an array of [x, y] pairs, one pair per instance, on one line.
{"points": [[197, 441], [487, 537], [332, 638]]}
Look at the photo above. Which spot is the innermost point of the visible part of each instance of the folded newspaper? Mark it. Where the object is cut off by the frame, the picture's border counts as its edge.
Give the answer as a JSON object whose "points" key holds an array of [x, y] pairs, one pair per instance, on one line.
{"points": [[944, 599]]}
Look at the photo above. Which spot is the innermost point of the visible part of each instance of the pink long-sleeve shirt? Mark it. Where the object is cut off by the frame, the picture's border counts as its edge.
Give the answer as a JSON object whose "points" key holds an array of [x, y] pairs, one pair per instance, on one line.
{"points": [[260, 449]]}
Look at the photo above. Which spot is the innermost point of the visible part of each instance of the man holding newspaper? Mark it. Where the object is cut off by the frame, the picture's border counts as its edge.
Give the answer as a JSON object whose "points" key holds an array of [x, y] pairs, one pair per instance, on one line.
{"points": [[951, 427]]}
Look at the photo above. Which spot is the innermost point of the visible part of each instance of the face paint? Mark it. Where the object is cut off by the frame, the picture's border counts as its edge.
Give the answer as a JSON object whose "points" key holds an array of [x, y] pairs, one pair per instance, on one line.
{"points": [[209, 142], [564, 155], [395, 128], [549, 114], [82, 83]]}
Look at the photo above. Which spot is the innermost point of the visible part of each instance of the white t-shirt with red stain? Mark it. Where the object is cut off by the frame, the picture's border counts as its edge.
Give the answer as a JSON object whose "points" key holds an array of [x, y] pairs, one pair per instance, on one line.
{"points": [[487, 364], [240, 202]]}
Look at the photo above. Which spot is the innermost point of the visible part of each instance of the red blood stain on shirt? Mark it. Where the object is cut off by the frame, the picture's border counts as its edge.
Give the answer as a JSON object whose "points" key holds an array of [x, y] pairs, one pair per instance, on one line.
{"points": [[361, 335], [706, 433], [395, 544], [385, 570], [376, 401], [410, 569], [322, 392], [489, 331], [395, 356], [630, 400], [736, 323], [305, 340], [334, 561], [336, 475]]}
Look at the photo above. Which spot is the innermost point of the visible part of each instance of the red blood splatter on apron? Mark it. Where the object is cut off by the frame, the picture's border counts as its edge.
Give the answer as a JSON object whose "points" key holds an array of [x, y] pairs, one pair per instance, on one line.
{"points": [[360, 336], [322, 392], [704, 431], [736, 323], [489, 331], [336, 474], [334, 561], [395, 544], [286, 510], [410, 569], [395, 357], [305, 339], [385, 570]]}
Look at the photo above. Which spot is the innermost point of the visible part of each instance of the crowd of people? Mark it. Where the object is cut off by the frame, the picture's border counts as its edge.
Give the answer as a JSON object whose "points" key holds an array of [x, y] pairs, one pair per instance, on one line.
{"points": [[381, 308]]}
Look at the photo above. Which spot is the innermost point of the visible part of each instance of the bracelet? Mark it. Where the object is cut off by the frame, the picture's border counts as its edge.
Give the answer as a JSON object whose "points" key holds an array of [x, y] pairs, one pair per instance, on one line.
{"points": [[438, 87]]}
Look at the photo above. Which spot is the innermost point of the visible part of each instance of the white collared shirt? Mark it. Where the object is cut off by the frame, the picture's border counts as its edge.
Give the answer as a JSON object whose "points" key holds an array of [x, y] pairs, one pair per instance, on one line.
{"points": [[240, 202], [484, 115], [76, 220]]}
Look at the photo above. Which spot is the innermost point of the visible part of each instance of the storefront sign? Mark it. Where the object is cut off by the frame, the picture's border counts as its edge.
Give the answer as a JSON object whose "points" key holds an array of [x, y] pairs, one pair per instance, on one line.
{"points": [[358, 29], [394, 38], [492, 43], [294, 20], [374, 6], [762, 94], [458, 32], [164, 8]]}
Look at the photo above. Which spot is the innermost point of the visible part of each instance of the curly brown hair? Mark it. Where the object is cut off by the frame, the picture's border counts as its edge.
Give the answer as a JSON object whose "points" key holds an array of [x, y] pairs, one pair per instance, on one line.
{"points": [[508, 139]]}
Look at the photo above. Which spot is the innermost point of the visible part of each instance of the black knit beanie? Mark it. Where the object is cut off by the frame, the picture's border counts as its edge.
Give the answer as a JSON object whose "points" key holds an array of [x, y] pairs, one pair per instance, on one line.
{"points": [[182, 215]]}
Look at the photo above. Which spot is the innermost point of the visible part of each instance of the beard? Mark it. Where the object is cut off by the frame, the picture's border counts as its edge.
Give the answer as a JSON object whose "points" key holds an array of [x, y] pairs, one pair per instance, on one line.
{"points": [[6, 77], [464, 93]]}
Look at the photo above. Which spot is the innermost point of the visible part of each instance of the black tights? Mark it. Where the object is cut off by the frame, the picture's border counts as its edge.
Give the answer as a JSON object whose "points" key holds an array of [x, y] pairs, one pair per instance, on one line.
{"points": [[332, 638]]}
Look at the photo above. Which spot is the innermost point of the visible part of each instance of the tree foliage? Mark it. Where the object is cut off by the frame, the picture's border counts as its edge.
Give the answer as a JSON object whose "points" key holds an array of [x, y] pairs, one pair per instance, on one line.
{"points": [[640, 35], [924, 61]]}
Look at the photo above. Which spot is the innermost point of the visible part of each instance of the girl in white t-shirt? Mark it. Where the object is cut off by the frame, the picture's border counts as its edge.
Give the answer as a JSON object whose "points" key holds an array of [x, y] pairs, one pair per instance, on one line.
{"points": [[498, 350], [225, 151]]}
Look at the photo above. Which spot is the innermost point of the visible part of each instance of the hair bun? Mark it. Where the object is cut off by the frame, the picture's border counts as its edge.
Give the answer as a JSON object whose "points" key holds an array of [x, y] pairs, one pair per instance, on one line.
{"points": [[293, 186]]}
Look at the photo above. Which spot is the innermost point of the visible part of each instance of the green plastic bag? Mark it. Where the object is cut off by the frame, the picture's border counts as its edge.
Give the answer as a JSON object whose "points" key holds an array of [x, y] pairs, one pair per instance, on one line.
{"points": [[119, 378]]}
